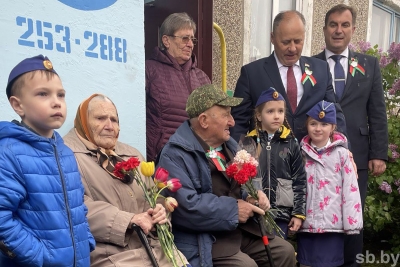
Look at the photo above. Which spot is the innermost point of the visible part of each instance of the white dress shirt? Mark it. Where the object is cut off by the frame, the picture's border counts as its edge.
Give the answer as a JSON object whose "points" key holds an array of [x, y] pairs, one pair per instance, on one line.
{"points": [[297, 76], [344, 61]]}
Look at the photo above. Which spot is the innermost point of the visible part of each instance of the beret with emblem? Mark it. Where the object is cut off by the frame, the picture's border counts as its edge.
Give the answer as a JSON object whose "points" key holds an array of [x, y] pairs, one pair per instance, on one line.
{"points": [[206, 97], [39, 62], [323, 111], [269, 95]]}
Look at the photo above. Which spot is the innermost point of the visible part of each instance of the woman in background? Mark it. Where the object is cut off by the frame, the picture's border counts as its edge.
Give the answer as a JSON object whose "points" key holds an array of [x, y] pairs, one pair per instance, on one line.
{"points": [[171, 75]]}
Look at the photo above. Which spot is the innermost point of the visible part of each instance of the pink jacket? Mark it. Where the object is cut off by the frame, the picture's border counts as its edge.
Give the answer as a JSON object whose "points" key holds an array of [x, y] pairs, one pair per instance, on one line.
{"points": [[333, 199]]}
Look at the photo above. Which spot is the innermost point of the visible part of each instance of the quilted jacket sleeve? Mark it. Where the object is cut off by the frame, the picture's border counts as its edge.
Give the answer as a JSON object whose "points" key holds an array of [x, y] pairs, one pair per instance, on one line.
{"points": [[351, 200], [15, 240], [92, 242]]}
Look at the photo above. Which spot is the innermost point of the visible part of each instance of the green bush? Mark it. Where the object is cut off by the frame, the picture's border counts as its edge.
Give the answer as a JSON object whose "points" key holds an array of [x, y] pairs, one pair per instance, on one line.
{"points": [[382, 208]]}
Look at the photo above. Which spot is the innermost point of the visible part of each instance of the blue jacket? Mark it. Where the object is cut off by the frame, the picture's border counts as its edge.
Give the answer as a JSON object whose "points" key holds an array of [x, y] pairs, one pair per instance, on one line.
{"points": [[42, 215], [199, 211]]}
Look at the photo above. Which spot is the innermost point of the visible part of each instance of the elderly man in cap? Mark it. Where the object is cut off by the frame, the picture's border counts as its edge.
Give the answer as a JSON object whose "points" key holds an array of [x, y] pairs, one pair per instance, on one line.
{"points": [[213, 225]]}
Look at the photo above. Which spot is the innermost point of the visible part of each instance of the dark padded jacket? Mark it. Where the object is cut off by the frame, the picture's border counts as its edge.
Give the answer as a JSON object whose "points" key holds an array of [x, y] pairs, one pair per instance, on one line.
{"points": [[168, 86], [287, 170]]}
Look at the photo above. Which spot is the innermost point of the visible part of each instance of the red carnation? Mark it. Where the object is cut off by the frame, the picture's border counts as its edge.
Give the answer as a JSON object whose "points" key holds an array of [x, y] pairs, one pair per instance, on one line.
{"points": [[118, 169], [131, 164], [231, 170], [241, 176], [250, 168]]}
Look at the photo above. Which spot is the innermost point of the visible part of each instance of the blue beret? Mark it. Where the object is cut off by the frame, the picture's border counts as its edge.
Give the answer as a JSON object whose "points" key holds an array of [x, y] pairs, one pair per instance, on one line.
{"points": [[269, 95], [323, 111], [39, 62]]}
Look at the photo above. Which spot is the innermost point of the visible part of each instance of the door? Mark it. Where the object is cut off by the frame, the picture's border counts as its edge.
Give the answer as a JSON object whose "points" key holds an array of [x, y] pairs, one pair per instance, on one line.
{"points": [[202, 13]]}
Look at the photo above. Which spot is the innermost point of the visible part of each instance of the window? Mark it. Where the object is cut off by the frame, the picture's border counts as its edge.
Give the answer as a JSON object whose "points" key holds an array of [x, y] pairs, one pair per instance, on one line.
{"points": [[259, 20], [397, 29], [385, 26]]}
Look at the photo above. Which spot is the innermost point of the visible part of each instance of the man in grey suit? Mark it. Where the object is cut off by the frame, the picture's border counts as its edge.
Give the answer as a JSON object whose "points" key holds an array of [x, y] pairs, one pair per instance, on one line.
{"points": [[362, 99], [310, 80]]}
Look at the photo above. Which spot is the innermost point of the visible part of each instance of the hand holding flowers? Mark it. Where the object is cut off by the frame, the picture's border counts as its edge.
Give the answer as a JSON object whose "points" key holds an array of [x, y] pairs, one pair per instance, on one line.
{"points": [[156, 215], [262, 201], [244, 170]]}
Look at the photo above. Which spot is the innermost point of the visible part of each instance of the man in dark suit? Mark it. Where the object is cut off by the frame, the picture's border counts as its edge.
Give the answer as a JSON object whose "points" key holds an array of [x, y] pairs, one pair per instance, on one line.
{"points": [[363, 104], [302, 81]]}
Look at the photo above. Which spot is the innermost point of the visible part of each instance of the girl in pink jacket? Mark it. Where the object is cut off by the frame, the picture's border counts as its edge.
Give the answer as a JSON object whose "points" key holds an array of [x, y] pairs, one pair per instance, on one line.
{"points": [[333, 200]]}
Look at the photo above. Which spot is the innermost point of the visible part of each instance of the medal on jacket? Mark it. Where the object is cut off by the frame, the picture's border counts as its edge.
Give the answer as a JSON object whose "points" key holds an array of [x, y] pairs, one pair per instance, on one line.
{"points": [[307, 75], [354, 66], [217, 158]]}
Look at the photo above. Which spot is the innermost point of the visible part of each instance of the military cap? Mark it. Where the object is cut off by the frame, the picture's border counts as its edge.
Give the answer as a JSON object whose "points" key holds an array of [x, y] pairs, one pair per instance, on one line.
{"points": [[323, 111], [269, 95], [207, 96], [39, 62]]}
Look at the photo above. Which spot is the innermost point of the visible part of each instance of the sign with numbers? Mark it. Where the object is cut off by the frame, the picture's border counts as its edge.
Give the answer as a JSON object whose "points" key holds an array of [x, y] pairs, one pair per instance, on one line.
{"points": [[95, 46], [44, 35]]}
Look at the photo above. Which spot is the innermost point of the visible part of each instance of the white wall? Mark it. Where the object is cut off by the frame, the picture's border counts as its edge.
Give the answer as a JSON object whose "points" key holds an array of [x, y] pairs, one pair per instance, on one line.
{"points": [[117, 21]]}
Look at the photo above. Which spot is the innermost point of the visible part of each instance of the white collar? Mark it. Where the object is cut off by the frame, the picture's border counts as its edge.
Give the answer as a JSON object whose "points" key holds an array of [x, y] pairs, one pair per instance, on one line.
{"points": [[318, 149], [329, 53], [281, 65]]}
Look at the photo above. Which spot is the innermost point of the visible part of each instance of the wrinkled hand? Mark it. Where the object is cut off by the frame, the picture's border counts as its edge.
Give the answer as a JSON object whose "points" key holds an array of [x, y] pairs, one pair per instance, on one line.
{"points": [[144, 221], [158, 214], [246, 210], [262, 202], [295, 224], [353, 163], [377, 166]]}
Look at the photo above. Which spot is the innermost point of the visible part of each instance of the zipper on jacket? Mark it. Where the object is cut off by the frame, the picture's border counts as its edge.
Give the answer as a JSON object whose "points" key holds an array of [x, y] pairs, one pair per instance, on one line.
{"points": [[66, 202], [268, 148]]}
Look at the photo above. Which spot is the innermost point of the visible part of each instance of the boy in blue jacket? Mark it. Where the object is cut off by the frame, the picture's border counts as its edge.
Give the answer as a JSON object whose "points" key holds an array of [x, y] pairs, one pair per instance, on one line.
{"points": [[42, 214]]}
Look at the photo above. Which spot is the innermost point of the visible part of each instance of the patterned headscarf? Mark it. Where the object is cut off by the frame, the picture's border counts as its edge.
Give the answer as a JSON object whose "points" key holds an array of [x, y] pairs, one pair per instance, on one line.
{"points": [[107, 158]]}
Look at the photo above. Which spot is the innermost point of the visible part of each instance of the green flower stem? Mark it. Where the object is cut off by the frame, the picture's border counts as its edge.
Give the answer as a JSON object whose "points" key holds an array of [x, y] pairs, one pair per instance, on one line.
{"points": [[163, 232], [268, 217], [159, 191]]}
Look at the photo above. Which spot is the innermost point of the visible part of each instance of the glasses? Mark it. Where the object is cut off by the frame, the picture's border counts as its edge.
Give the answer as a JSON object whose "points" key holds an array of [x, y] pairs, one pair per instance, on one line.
{"points": [[186, 39]]}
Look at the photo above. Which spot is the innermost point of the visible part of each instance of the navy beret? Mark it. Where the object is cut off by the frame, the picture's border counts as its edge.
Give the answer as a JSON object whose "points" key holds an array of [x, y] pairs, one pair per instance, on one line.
{"points": [[269, 95], [323, 111], [39, 62]]}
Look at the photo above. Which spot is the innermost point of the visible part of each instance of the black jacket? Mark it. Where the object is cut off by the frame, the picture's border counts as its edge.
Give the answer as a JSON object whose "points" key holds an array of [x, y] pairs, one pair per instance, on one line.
{"points": [[261, 74], [287, 165]]}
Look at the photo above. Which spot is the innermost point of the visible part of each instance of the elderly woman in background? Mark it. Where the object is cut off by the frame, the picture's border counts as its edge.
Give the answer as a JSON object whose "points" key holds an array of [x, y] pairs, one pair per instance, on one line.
{"points": [[171, 75], [114, 204]]}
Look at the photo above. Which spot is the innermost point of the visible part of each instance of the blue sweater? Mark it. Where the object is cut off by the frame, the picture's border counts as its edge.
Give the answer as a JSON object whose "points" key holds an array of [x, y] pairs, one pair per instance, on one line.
{"points": [[42, 215]]}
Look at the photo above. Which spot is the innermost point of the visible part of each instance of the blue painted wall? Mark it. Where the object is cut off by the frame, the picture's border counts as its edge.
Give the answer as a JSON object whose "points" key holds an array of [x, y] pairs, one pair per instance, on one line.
{"points": [[95, 46]]}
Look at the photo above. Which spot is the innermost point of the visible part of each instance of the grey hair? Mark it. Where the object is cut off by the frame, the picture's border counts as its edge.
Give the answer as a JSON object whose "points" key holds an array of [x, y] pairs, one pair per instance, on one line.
{"points": [[282, 15], [174, 23], [99, 98]]}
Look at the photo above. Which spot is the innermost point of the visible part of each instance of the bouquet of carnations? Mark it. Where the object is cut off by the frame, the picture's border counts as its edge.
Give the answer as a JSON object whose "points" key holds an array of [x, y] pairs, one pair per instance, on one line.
{"points": [[152, 193], [244, 170]]}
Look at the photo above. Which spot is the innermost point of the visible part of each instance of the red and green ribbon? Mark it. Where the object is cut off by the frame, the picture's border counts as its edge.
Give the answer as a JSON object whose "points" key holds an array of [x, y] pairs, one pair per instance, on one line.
{"points": [[307, 75], [354, 67], [217, 158]]}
